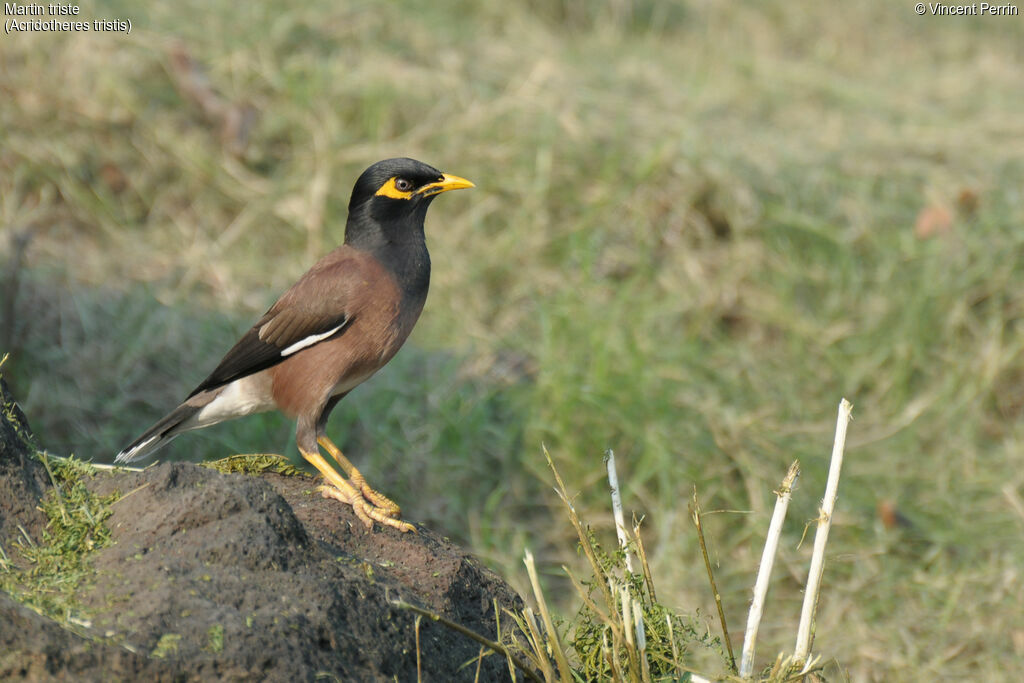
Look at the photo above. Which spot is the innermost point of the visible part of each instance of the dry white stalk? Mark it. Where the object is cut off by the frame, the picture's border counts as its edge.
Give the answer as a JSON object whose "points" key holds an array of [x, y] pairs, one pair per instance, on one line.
{"points": [[94, 465], [620, 524], [627, 614], [771, 546], [828, 504], [641, 634], [641, 640]]}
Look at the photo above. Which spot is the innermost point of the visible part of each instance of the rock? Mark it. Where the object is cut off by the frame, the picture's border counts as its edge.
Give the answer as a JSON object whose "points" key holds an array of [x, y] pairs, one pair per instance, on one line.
{"points": [[216, 576]]}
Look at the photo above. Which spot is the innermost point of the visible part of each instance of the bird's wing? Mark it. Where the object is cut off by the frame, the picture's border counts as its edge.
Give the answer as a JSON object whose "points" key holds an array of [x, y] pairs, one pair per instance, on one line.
{"points": [[317, 307]]}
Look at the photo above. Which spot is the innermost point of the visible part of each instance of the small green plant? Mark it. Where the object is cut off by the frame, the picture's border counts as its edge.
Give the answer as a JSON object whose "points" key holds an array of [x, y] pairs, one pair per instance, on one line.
{"points": [[620, 632], [667, 636], [59, 564], [167, 646], [255, 464], [215, 639]]}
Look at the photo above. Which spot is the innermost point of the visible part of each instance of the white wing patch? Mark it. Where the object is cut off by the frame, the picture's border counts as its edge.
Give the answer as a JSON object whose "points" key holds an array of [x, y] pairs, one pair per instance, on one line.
{"points": [[310, 340]]}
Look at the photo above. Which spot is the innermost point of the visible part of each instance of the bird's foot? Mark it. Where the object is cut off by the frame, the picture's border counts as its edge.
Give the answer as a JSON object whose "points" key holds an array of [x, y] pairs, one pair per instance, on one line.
{"points": [[376, 498], [366, 508], [356, 478], [369, 505]]}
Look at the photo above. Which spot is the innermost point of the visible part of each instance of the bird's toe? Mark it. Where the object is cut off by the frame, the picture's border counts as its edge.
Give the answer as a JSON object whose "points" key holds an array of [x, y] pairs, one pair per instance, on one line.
{"points": [[366, 509]]}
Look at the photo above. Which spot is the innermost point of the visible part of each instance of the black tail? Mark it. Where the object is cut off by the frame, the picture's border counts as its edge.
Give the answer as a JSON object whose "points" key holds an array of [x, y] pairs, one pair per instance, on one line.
{"points": [[158, 435]]}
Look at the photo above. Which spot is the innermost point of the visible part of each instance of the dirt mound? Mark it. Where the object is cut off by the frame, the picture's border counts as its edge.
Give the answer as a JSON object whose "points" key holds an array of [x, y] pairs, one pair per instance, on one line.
{"points": [[216, 576], [22, 478]]}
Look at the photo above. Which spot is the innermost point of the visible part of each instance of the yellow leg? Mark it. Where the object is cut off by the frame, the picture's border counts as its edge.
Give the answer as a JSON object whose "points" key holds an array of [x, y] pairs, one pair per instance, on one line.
{"points": [[345, 491], [357, 480]]}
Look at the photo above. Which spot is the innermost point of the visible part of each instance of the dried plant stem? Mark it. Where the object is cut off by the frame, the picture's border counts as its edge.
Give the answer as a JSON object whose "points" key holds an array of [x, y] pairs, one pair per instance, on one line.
{"points": [[528, 624], [419, 670], [588, 550], [620, 522], [479, 663], [549, 625], [627, 616], [133, 491], [695, 513], [613, 664], [642, 554], [497, 626], [459, 628], [629, 627], [804, 636], [764, 572], [641, 641], [675, 649]]}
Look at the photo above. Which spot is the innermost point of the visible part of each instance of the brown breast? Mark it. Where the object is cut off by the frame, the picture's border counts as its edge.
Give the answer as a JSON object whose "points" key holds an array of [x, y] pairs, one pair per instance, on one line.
{"points": [[380, 323]]}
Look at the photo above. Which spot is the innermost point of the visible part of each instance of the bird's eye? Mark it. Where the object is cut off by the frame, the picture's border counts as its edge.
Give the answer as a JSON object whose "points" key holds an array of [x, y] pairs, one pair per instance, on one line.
{"points": [[403, 185]]}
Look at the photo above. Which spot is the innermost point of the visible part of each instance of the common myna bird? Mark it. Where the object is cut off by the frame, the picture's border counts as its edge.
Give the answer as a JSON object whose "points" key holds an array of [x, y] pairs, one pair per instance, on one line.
{"points": [[340, 323]]}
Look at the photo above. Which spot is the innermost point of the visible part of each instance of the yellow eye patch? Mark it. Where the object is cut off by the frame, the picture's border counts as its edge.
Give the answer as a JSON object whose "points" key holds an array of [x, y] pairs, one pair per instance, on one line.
{"points": [[388, 189]]}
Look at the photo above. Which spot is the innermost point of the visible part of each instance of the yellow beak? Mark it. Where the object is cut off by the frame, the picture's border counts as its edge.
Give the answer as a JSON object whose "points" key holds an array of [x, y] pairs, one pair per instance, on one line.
{"points": [[447, 182]]}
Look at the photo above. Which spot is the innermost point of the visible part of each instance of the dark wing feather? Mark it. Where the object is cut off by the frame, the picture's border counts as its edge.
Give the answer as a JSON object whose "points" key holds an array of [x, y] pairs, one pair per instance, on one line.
{"points": [[318, 303]]}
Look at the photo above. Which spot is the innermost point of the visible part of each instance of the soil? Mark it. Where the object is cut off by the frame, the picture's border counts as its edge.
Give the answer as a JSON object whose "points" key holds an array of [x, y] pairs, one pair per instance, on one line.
{"points": [[216, 576]]}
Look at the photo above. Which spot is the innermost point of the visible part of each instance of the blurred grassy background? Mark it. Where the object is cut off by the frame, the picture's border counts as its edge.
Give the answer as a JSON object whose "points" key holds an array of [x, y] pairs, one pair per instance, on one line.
{"points": [[695, 228]]}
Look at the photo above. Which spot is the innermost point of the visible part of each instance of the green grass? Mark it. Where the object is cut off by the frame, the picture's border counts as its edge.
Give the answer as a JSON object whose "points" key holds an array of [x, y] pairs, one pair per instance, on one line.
{"points": [[253, 464], [692, 233], [56, 566]]}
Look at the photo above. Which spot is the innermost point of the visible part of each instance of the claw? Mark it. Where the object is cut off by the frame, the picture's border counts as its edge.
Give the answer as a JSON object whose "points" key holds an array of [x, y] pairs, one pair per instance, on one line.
{"points": [[368, 505], [365, 510], [359, 505], [378, 499]]}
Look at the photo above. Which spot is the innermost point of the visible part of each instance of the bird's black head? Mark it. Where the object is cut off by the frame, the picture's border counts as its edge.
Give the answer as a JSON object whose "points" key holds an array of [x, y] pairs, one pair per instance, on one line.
{"points": [[390, 199]]}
